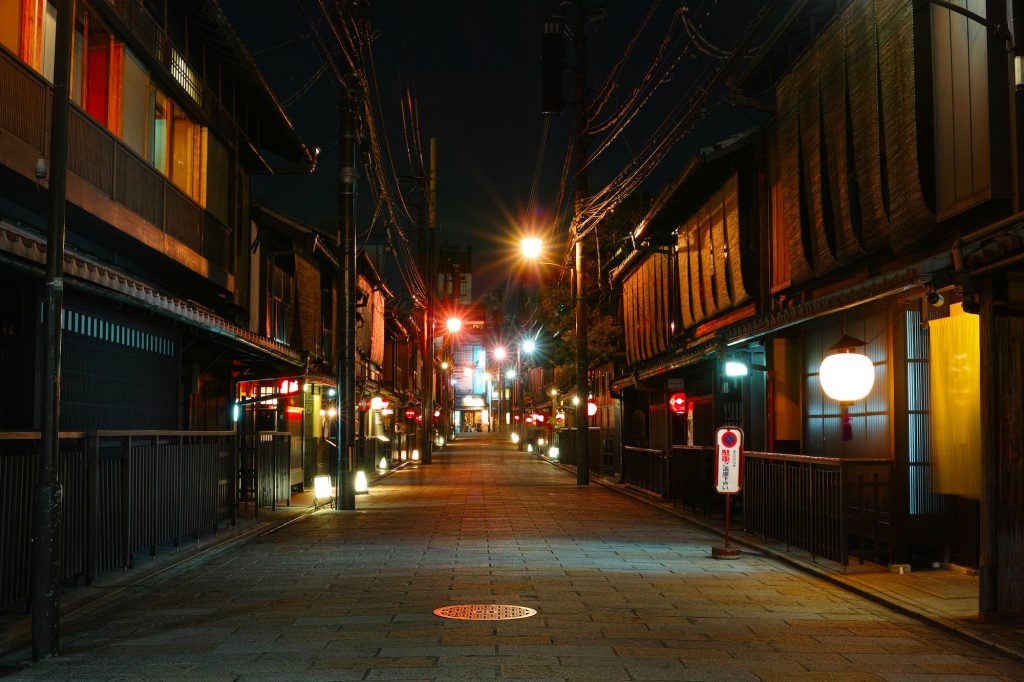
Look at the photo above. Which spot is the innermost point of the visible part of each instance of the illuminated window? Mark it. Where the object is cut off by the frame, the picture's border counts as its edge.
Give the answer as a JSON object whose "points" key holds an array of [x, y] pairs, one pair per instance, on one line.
{"points": [[183, 73], [10, 25], [37, 26], [188, 155], [160, 129]]}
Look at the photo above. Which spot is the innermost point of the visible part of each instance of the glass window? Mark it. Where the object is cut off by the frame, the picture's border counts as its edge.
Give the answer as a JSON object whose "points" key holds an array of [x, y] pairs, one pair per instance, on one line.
{"points": [[188, 155], [49, 40], [217, 179], [10, 24], [134, 103], [160, 128], [98, 71], [78, 65], [278, 304]]}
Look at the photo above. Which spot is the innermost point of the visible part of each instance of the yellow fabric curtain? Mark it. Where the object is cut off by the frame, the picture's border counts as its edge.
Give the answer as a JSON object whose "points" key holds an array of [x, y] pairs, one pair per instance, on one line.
{"points": [[956, 405]]}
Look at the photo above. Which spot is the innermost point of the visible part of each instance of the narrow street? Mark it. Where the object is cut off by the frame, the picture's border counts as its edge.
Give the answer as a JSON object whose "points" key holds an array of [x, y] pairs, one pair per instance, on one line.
{"points": [[622, 591]]}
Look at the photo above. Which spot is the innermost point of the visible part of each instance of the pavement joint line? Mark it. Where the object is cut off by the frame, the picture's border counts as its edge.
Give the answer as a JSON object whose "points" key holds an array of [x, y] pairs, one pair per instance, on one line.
{"points": [[946, 624]]}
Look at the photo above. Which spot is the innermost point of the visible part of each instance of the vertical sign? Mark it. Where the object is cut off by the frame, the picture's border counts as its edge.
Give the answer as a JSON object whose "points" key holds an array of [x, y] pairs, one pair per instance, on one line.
{"points": [[729, 462]]}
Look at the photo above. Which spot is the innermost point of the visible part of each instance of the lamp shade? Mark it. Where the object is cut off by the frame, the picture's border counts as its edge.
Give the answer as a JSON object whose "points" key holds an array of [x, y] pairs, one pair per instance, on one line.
{"points": [[846, 377]]}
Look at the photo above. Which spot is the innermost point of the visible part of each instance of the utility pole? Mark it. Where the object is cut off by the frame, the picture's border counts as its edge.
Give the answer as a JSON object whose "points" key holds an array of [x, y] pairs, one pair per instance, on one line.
{"points": [[347, 291], [582, 190], [429, 368], [49, 494]]}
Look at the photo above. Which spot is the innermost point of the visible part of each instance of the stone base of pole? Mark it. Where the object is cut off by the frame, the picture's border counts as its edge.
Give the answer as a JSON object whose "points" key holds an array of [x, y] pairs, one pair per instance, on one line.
{"points": [[725, 553]]}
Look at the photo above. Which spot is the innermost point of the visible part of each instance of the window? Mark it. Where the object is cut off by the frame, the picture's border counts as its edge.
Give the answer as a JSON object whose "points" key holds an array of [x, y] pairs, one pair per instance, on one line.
{"points": [[279, 304], [326, 316], [102, 68], [188, 155], [160, 130], [215, 197], [134, 103], [10, 25], [869, 418]]}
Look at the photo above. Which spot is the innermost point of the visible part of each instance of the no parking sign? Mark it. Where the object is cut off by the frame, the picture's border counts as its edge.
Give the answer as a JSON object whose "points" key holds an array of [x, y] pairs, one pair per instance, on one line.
{"points": [[729, 462]]}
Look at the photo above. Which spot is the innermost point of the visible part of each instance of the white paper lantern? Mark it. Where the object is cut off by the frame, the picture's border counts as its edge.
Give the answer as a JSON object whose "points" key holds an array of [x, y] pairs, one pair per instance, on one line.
{"points": [[847, 377]]}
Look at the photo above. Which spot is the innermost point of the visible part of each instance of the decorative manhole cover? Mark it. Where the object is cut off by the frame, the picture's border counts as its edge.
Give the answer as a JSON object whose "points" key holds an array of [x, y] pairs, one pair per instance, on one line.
{"points": [[485, 612]]}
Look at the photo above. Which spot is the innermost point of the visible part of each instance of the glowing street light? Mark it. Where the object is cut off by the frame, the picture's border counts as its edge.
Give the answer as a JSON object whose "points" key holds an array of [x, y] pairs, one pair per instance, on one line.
{"points": [[532, 249]]}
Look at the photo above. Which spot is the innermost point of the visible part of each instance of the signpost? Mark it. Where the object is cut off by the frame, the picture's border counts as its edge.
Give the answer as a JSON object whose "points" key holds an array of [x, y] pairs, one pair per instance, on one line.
{"points": [[728, 478]]}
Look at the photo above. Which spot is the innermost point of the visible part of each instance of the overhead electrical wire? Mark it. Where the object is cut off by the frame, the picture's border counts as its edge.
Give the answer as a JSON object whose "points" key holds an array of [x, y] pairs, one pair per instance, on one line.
{"points": [[672, 129]]}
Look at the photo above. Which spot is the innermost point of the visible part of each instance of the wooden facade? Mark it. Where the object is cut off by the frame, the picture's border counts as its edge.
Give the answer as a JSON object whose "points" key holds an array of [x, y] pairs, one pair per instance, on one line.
{"points": [[887, 148]]}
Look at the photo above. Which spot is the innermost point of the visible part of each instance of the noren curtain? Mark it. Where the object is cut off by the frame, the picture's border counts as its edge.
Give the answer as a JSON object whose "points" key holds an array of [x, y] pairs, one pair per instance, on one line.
{"points": [[956, 405]]}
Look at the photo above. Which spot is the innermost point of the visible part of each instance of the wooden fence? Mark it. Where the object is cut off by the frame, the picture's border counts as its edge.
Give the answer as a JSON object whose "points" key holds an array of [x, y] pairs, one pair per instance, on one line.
{"points": [[124, 492]]}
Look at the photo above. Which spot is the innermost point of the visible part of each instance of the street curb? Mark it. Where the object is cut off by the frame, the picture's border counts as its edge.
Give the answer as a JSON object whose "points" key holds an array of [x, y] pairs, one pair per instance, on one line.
{"points": [[951, 626]]}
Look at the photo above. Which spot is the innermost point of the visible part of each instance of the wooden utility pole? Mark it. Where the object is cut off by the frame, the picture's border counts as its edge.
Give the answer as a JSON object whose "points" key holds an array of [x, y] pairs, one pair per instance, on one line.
{"points": [[429, 365], [48, 496], [347, 291], [582, 190]]}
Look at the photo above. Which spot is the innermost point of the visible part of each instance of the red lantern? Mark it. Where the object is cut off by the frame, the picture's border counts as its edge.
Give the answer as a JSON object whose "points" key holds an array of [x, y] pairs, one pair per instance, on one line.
{"points": [[410, 414], [678, 403]]}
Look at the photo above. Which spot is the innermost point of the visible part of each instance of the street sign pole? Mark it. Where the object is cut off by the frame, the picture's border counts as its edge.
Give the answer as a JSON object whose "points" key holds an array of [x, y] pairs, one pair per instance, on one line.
{"points": [[728, 478]]}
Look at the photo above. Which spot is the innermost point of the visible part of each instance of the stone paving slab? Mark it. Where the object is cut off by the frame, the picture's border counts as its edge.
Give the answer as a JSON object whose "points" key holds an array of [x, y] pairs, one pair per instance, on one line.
{"points": [[623, 592]]}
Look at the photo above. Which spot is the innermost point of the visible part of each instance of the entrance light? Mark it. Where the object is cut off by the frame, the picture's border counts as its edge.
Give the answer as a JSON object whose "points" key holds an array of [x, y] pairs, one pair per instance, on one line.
{"points": [[845, 375], [735, 369]]}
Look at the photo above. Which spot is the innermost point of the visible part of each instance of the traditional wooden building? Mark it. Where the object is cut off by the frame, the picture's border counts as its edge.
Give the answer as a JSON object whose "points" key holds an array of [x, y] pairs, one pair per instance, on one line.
{"points": [[877, 203], [165, 309]]}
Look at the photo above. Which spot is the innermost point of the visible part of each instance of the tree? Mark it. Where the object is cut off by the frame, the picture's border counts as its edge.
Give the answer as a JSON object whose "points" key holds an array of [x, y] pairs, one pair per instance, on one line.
{"points": [[603, 247]]}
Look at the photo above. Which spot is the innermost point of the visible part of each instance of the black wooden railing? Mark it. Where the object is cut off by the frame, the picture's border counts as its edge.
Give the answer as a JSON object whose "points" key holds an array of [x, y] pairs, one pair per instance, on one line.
{"points": [[566, 440], [830, 507], [646, 469], [124, 492], [264, 470], [691, 480]]}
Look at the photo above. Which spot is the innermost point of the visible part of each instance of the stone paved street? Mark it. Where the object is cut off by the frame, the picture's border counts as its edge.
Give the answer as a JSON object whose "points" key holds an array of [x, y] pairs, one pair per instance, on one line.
{"points": [[622, 591]]}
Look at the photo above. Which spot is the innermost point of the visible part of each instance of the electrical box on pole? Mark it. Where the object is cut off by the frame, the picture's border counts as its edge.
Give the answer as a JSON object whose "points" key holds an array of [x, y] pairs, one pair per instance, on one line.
{"points": [[551, 58]]}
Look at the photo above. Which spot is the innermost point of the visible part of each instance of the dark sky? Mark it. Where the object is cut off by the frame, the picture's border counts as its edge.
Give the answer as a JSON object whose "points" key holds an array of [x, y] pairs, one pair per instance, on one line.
{"points": [[474, 69]]}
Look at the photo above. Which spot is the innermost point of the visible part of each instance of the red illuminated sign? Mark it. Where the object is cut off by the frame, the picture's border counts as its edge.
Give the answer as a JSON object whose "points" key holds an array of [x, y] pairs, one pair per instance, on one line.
{"points": [[678, 403], [410, 414]]}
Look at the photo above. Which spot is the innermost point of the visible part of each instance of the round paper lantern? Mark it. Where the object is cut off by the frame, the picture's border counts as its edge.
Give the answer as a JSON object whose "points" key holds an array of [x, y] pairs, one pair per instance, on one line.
{"points": [[847, 377]]}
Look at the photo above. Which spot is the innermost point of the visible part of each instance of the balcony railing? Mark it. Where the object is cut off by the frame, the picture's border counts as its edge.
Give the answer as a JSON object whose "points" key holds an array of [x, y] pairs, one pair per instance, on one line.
{"points": [[124, 492], [99, 158]]}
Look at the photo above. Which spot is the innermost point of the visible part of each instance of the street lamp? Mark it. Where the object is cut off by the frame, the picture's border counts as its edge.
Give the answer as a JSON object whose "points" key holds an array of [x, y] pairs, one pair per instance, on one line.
{"points": [[532, 249]]}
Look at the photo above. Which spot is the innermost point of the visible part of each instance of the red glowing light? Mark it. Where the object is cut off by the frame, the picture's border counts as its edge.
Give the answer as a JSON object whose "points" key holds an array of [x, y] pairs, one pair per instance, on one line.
{"points": [[678, 403]]}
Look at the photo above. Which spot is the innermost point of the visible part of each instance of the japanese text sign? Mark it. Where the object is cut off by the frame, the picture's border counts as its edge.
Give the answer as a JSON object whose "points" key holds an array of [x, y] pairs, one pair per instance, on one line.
{"points": [[729, 459]]}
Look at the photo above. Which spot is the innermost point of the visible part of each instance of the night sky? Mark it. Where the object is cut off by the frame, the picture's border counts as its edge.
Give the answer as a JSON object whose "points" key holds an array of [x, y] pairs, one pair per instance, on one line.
{"points": [[474, 69]]}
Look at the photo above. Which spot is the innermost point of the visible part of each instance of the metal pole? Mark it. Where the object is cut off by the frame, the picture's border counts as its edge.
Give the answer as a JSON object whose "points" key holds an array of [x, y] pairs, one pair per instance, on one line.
{"points": [[581, 192], [46, 560]]}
